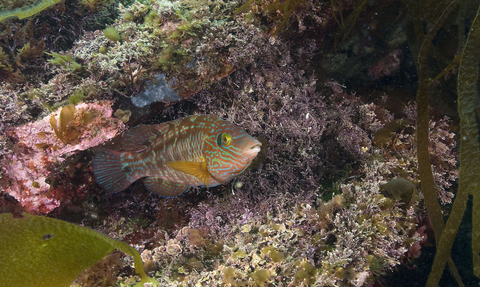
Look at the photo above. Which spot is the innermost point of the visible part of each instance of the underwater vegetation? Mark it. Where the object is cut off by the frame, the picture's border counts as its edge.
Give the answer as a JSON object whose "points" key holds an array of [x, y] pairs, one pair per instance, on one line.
{"points": [[337, 195], [24, 12], [23, 42], [274, 9], [42, 145], [44, 251], [468, 110]]}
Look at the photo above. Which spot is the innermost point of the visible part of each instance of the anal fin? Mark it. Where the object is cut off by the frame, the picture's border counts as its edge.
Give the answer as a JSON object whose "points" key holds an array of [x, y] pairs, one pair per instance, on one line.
{"points": [[163, 187]]}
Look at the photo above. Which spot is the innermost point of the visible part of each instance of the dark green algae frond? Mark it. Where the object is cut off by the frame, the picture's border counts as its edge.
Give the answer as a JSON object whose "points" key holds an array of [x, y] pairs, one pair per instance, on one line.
{"points": [[469, 180], [46, 252]]}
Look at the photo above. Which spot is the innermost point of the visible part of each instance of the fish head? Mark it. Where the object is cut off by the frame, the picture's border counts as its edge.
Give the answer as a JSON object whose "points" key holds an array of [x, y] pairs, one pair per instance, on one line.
{"points": [[228, 151]]}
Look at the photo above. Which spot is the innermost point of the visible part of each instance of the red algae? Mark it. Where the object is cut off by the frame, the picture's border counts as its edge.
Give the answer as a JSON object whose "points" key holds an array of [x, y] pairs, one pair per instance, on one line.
{"points": [[38, 150]]}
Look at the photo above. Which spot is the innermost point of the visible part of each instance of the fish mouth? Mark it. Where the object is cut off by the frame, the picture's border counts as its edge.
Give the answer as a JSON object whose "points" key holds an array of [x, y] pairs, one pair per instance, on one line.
{"points": [[253, 149]]}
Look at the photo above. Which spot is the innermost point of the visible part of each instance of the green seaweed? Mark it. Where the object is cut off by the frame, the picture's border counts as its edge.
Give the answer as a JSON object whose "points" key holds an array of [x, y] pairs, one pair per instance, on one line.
{"points": [[24, 12], [65, 61], [401, 189], [76, 97], [46, 252], [112, 34], [61, 129], [347, 25], [286, 7]]}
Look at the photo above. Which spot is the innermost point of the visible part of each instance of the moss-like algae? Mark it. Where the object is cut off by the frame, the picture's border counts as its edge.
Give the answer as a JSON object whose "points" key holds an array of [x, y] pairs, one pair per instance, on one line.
{"points": [[287, 7], [65, 61], [46, 252]]}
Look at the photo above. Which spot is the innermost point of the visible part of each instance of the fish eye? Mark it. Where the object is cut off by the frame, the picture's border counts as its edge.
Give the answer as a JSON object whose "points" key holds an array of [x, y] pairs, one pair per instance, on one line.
{"points": [[226, 139]]}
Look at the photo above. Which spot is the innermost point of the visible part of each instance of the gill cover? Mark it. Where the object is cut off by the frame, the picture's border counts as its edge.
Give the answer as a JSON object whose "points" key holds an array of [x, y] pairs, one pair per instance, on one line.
{"points": [[224, 155]]}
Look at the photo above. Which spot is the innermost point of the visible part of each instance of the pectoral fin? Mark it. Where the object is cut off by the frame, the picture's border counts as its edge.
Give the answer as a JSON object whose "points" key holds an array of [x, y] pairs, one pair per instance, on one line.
{"points": [[197, 169]]}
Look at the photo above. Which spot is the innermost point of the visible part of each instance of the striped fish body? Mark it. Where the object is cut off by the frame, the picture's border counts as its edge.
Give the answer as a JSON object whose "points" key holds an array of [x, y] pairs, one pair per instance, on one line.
{"points": [[198, 150]]}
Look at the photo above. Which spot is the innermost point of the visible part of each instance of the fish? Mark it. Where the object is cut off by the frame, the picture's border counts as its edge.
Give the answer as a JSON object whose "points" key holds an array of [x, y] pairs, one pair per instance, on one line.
{"points": [[198, 150]]}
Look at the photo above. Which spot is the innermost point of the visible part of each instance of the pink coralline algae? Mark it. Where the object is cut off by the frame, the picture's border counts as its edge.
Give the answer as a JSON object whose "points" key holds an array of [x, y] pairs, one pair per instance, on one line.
{"points": [[38, 150]]}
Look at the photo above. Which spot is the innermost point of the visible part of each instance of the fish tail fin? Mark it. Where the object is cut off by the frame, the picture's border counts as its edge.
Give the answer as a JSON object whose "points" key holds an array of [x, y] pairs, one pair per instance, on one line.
{"points": [[110, 172]]}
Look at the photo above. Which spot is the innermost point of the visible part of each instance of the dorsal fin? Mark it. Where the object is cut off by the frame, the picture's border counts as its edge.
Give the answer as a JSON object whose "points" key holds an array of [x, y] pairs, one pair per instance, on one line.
{"points": [[163, 187], [139, 138]]}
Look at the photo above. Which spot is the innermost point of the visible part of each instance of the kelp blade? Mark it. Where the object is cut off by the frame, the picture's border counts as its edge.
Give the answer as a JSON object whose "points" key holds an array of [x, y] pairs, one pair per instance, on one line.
{"points": [[428, 183], [429, 10], [468, 104], [469, 179], [45, 252]]}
